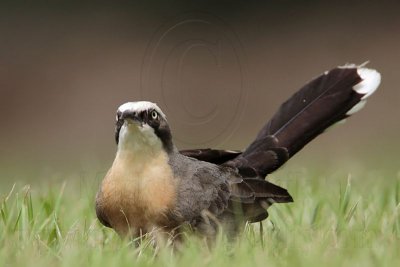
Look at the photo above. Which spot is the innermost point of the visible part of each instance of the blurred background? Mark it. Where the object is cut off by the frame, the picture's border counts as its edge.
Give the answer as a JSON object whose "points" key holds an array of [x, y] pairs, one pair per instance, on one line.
{"points": [[218, 69]]}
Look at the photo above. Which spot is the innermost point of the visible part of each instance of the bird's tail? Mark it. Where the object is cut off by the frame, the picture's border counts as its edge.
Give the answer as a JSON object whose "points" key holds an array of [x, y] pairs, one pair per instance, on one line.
{"points": [[328, 99]]}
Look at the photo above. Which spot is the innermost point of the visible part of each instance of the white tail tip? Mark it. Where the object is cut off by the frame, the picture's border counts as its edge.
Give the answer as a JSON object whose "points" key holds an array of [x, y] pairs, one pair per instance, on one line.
{"points": [[370, 82]]}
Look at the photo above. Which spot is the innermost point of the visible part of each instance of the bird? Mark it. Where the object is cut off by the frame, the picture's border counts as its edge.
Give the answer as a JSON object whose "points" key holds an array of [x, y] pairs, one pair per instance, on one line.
{"points": [[153, 185]]}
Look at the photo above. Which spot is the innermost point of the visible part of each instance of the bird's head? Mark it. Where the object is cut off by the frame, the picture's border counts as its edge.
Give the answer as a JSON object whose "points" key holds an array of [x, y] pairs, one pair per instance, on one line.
{"points": [[142, 124]]}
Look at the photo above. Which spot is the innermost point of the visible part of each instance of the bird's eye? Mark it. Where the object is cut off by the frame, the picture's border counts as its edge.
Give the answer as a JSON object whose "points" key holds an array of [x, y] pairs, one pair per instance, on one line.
{"points": [[154, 115]]}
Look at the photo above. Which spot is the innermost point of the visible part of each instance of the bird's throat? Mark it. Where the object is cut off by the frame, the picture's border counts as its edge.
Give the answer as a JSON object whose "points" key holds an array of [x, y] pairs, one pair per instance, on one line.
{"points": [[139, 140]]}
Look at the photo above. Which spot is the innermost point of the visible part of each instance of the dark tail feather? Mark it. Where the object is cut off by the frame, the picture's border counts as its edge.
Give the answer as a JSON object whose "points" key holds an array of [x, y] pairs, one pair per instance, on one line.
{"points": [[216, 156], [326, 100]]}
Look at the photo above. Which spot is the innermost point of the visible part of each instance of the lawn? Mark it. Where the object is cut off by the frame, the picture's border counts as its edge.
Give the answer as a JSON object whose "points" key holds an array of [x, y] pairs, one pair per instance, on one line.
{"points": [[337, 219]]}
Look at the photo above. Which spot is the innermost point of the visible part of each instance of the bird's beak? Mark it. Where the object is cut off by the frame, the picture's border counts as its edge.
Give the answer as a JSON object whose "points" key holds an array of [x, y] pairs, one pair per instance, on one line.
{"points": [[130, 117]]}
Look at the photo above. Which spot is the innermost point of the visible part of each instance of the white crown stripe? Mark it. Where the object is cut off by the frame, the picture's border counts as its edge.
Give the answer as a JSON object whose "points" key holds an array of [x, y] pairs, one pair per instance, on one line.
{"points": [[140, 106]]}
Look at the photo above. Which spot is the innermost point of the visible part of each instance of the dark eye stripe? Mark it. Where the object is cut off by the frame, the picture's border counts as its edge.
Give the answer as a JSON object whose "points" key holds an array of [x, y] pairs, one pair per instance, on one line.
{"points": [[118, 115]]}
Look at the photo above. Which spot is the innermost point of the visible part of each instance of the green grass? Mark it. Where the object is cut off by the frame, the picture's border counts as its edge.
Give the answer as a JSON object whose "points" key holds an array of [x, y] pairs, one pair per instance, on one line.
{"points": [[336, 220]]}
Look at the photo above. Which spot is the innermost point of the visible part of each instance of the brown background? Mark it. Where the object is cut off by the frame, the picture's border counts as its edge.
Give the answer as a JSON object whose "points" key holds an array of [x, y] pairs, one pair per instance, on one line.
{"points": [[218, 69]]}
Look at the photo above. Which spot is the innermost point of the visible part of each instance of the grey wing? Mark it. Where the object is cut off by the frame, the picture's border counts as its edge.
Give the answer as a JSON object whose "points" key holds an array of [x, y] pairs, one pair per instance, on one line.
{"points": [[201, 187], [208, 187]]}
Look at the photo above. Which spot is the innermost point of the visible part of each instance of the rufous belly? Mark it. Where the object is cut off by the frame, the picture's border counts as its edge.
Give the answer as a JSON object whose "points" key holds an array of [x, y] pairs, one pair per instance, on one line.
{"points": [[137, 194]]}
